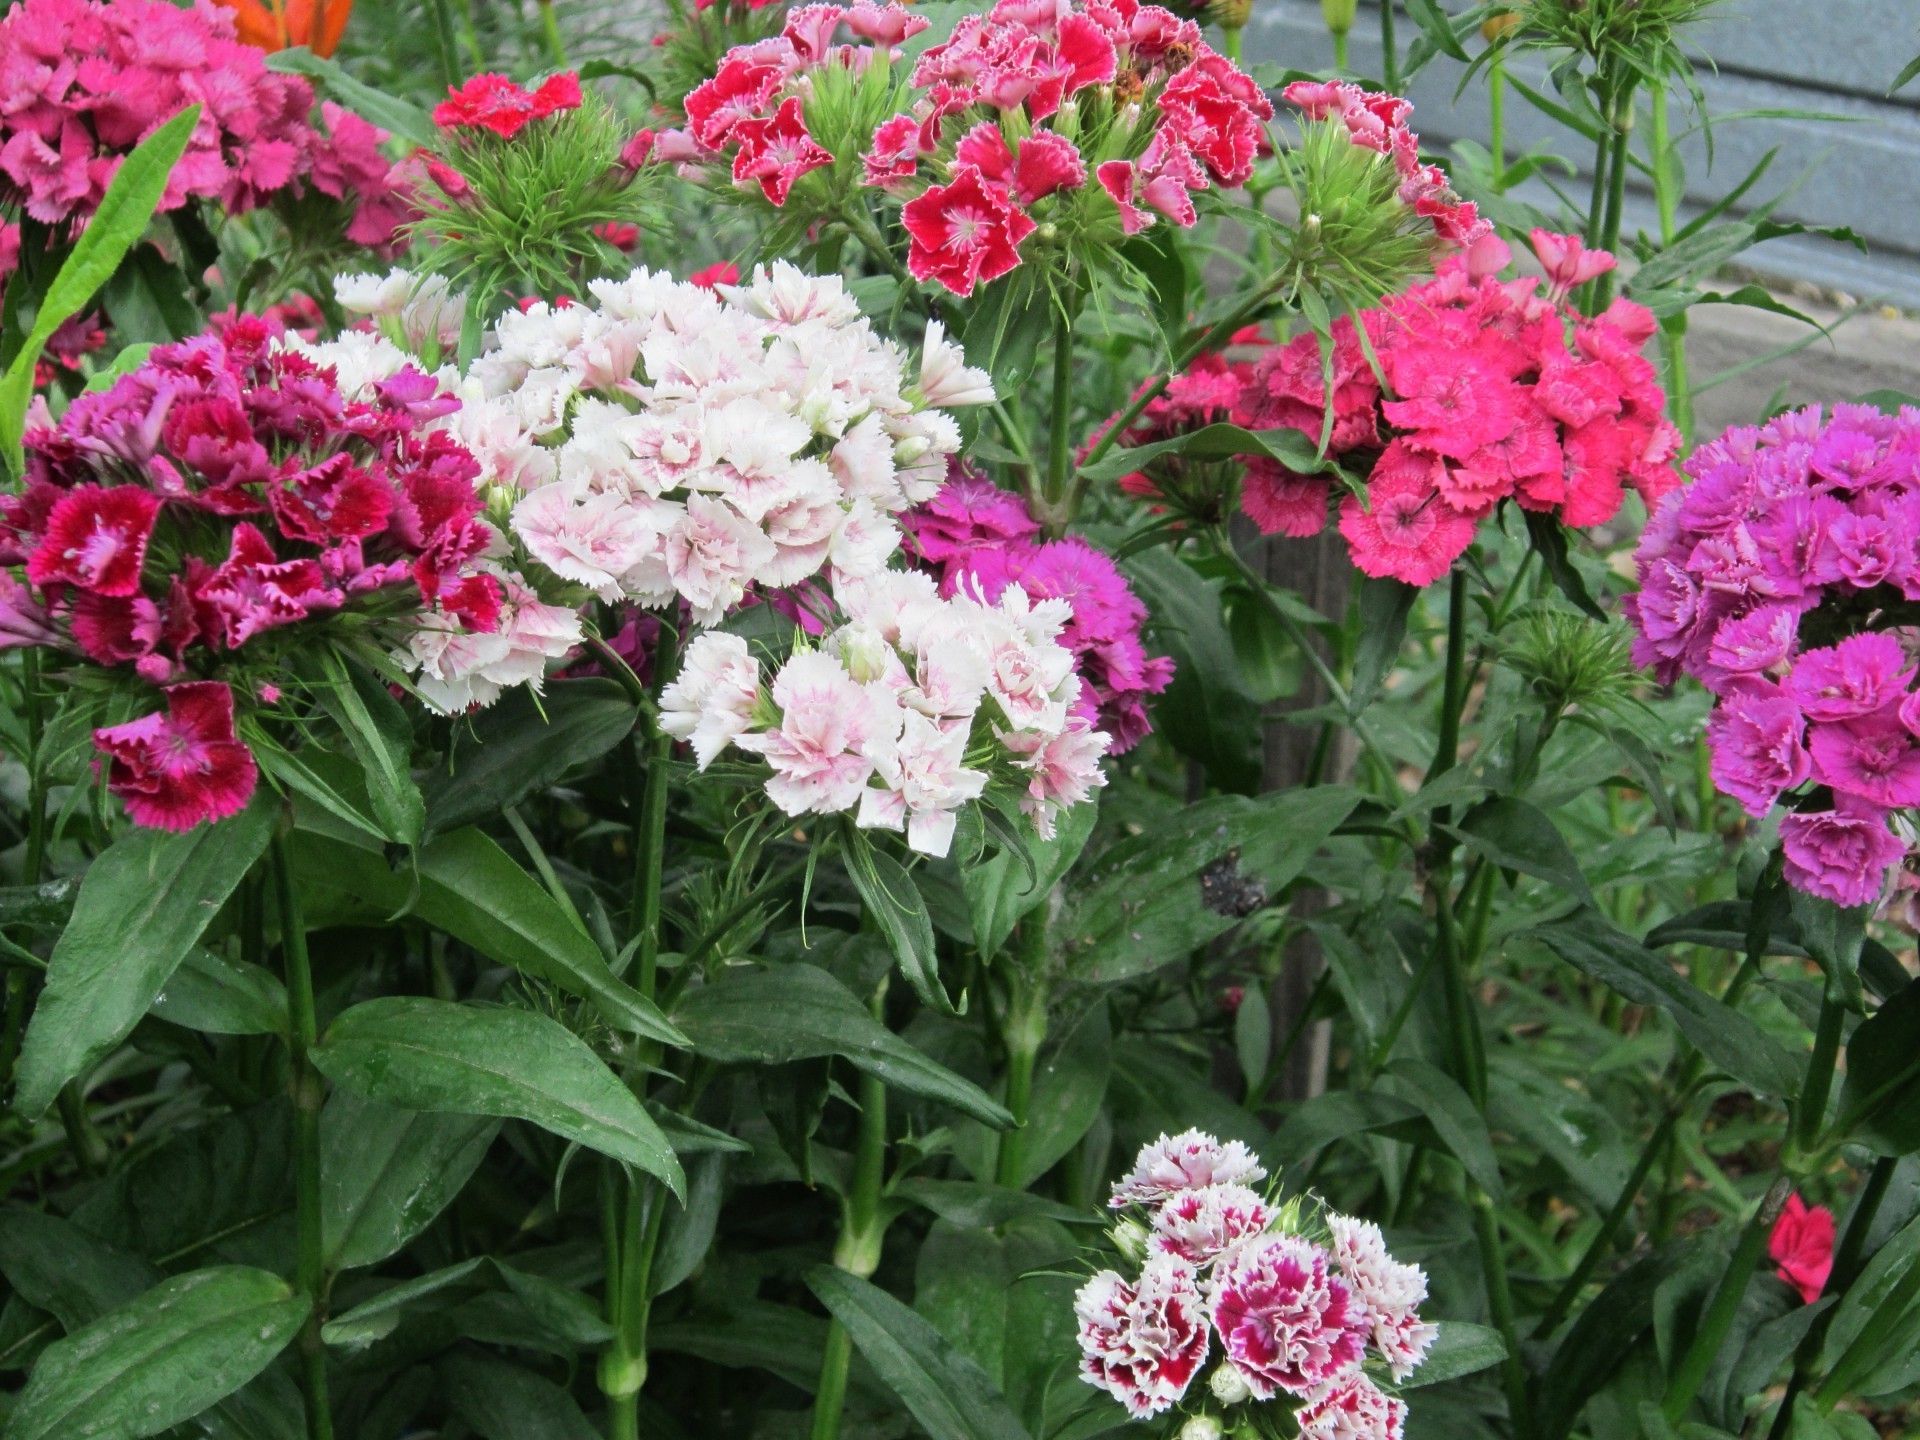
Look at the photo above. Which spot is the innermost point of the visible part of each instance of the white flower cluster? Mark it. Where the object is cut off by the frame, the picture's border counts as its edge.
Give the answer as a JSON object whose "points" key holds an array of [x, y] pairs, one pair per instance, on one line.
{"points": [[906, 712], [670, 442]]}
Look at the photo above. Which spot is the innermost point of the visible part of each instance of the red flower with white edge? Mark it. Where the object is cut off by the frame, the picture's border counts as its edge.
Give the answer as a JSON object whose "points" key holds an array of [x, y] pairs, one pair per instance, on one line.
{"points": [[1353, 1409], [1217, 110], [1162, 180], [177, 769], [255, 590], [739, 91], [495, 103], [1144, 1343], [895, 154], [964, 232], [1287, 1321], [777, 151], [96, 538], [1040, 165]]}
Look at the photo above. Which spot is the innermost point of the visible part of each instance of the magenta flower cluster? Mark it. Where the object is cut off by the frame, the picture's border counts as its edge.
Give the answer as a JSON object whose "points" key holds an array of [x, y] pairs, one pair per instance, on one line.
{"points": [[83, 82], [1778, 579], [174, 526], [979, 538]]}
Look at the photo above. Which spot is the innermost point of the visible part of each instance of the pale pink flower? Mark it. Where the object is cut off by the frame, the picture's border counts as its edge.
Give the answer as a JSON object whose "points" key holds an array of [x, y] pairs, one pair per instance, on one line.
{"points": [[712, 554], [1062, 769], [713, 698], [1353, 1408], [945, 377], [1186, 1161], [1198, 1226], [1391, 1291], [817, 751], [927, 782], [593, 537]]}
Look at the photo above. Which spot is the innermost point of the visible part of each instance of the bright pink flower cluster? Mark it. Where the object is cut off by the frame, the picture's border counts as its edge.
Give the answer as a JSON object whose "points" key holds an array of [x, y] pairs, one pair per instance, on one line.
{"points": [[1772, 579], [495, 104], [981, 539], [982, 143], [1378, 121], [179, 525], [1493, 392], [1297, 1316], [82, 82]]}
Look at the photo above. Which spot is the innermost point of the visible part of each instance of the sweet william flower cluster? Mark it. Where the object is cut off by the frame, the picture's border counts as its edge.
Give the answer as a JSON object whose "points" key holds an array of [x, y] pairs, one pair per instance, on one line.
{"points": [[1300, 1309], [1779, 579], [907, 711]]}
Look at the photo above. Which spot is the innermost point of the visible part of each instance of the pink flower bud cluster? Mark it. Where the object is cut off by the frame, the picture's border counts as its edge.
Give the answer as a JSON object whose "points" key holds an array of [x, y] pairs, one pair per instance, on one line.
{"points": [[83, 82], [908, 710], [1494, 391], [978, 537], [224, 508], [996, 139], [1299, 1312], [1777, 579]]}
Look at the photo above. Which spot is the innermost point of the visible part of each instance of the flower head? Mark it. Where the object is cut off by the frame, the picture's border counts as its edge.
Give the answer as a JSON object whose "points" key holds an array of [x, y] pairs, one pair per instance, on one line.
{"points": [[1801, 1246], [177, 768], [1287, 1322], [1142, 1343], [1186, 1161]]}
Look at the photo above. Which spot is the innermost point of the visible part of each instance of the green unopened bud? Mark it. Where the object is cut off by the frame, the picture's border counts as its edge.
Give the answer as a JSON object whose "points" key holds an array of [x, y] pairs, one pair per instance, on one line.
{"points": [[1498, 27], [1200, 1427], [913, 448], [1339, 14], [1130, 1238], [865, 652], [1229, 1386]]}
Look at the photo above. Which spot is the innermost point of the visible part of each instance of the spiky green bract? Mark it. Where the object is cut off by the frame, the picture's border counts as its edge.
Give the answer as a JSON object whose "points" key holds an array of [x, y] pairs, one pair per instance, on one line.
{"points": [[1569, 661], [526, 223], [694, 41], [1637, 37]]}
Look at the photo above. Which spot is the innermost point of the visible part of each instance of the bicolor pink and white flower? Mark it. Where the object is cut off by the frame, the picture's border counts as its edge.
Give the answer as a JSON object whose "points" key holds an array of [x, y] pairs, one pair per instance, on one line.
{"points": [[1144, 1342], [1287, 1321], [1187, 1161]]}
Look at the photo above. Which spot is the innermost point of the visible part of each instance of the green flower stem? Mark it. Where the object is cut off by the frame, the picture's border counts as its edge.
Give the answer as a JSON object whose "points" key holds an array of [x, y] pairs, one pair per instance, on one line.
{"points": [[550, 27], [1810, 1114], [1673, 329], [863, 1231], [1691, 1372], [1497, 122], [1846, 1269], [650, 837], [1619, 161], [623, 1368], [859, 221], [1602, 1241], [308, 1092], [1339, 49], [1493, 1262], [1025, 1030], [1389, 48], [1230, 43], [1060, 422]]}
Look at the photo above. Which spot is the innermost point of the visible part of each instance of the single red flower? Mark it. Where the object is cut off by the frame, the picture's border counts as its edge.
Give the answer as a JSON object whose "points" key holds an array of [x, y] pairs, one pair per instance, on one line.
{"points": [[1802, 1247], [739, 91], [725, 273], [493, 102], [964, 232], [177, 769], [623, 237], [1217, 110], [96, 538], [777, 151]]}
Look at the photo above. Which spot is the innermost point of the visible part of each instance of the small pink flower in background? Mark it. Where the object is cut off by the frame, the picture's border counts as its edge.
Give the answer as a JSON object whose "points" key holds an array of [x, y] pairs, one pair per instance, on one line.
{"points": [[1801, 1246], [176, 769], [1285, 1320], [1568, 262], [1143, 1343], [1185, 1162]]}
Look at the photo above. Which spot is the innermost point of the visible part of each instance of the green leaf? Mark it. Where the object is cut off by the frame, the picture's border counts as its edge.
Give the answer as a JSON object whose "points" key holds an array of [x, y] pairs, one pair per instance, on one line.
{"points": [[1515, 835], [160, 1359], [1883, 1076], [1905, 77], [1550, 539], [999, 890], [1459, 1349], [218, 996], [387, 1174], [333, 782], [523, 744], [947, 1393], [985, 1207], [1208, 713], [776, 1338], [377, 1318], [472, 889], [141, 907], [1726, 1037], [501, 1401], [1384, 608], [687, 1234], [1068, 1091], [1833, 937], [1451, 1112], [1214, 442], [74, 1275], [130, 359], [1144, 903], [419, 1054], [800, 1012], [894, 903], [381, 737], [150, 299], [407, 121], [1338, 1115], [118, 222]]}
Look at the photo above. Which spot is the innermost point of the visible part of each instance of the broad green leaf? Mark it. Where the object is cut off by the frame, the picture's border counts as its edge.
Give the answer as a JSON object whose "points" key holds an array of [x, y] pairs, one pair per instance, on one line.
{"points": [[218, 996], [1214, 442], [141, 907], [404, 119], [944, 1390], [378, 731], [1515, 835], [800, 1012], [375, 1319], [1384, 608], [755, 1334], [161, 1359], [385, 1175], [894, 903], [1339, 1114], [335, 783], [58, 1267], [118, 222], [1208, 713], [1566, 1126], [1451, 1112], [999, 890], [1605, 1332], [985, 1207], [1549, 538], [130, 358], [1833, 937], [418, 1054], [151, 299], [476, 892], [1878, 1102], [687, 1233], [523, 744], [1459, 1349], [1145, 902], [501, 1401], [1726, 1037]]}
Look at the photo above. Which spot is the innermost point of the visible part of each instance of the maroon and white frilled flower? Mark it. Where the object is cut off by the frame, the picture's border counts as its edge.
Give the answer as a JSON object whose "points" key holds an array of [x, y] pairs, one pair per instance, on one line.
{"points": [[1199, 1226], [1143, 1343], [1287, 1321], [1352, 1408], [1391, 1291], [1187, 1161]]}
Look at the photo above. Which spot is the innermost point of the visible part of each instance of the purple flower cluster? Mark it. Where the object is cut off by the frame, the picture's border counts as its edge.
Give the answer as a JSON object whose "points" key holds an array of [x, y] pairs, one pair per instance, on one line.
{"points": [[1780, 579], [976, 535]]}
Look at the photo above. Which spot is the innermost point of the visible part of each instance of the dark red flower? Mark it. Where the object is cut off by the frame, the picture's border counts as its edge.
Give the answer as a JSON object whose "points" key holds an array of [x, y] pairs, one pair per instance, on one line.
{"points": [[177, 769], [777, 151], [964, 232], [623, 237], [1802, 1247], [96, 538], [495, 103], [725, 273], [256, 590]]}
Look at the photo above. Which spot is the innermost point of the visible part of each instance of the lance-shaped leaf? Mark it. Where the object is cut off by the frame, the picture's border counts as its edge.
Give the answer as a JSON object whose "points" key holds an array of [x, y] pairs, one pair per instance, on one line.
{"points": [[895, 904], [1215, 442]]}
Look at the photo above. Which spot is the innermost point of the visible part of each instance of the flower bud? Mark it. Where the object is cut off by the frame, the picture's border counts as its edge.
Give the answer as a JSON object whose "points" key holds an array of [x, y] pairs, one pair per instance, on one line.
{"points": [[1229, 1386], [911, 449], [1498, 27], [1130, 1238], [1200, 1427], [865, 652], [637, 150], [1338, 14], [451, 182]]}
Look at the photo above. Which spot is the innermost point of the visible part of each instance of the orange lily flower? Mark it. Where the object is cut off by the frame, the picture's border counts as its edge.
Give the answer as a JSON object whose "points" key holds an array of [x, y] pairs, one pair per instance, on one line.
{"points": [[282, 24]]}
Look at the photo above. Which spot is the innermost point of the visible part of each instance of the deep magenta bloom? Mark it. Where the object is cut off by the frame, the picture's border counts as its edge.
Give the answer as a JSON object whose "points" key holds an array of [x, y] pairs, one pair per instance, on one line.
{"points": [[1143, 1343], [964, 232], [1801, 1247], [96, 538], [1860, 675], [1842, 854], [1407, 530], [1286, 1321], [1758, 749], [1872, 756], [176, 769]]}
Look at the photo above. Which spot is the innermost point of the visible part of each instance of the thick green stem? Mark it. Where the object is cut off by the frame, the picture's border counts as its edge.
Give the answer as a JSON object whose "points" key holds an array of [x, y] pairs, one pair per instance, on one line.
{"points": [[1810, 1115], [863, 1230], [1339, 49], [1059, 428], [1497, 122], [308, 1092], [1493, 1263], [1025, 1030], [1389, 48], [1602, 1241], [550, 27], [1619, 160], [1689, 1375]]}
